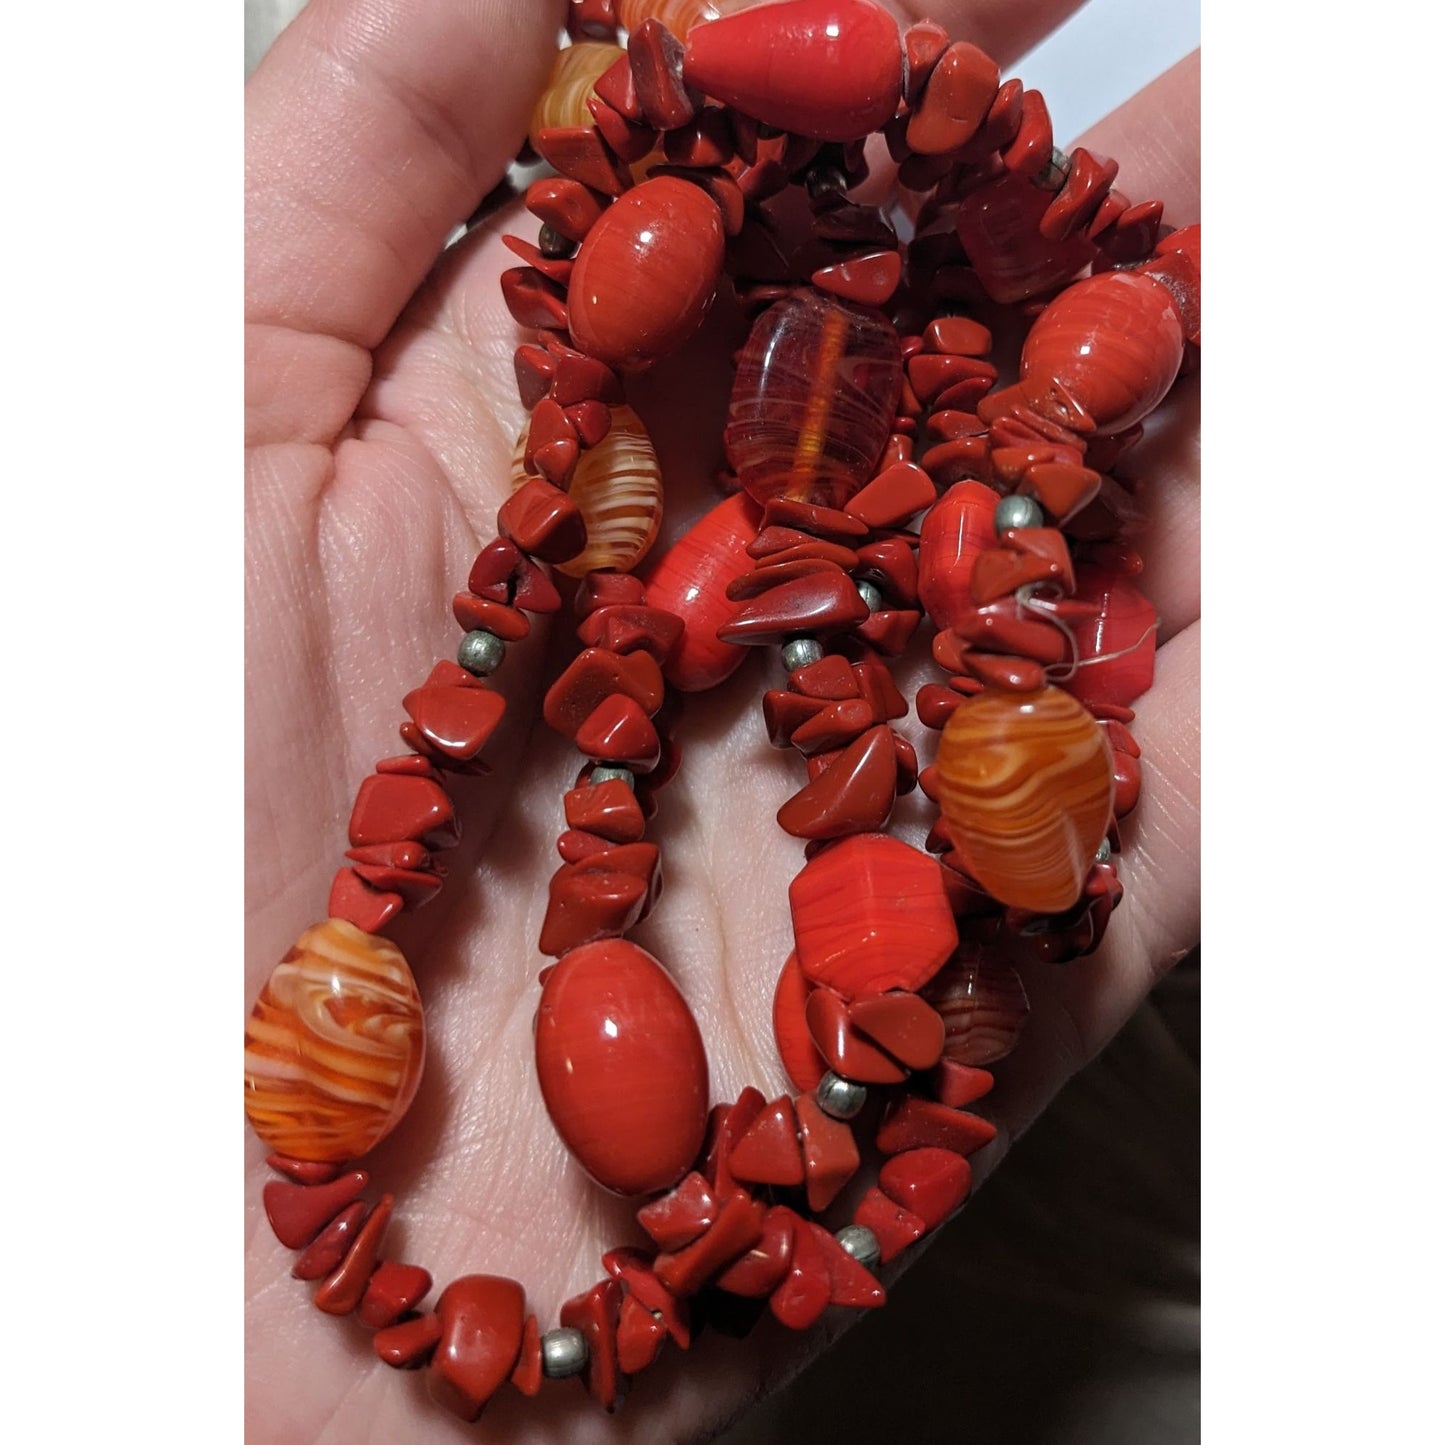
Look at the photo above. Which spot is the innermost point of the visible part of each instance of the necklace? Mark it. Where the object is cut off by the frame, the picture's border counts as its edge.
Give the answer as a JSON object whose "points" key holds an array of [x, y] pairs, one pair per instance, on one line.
{"points": [[863, 399]]}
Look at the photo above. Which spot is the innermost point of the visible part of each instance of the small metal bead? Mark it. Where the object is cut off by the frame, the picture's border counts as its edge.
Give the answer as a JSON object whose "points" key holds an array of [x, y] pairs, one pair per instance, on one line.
{"points": [[564, 1353], [1055, 173], [825, 183], [1017, 511], [871, 596], [554, 244], [801, 652], [607, 775], [861, 1243], [481, 652], [1104, 853], [838, 1097]]}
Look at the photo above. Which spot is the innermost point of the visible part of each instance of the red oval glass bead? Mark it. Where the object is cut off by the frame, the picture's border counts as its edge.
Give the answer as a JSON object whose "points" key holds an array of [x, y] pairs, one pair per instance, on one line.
{"points": [[1113, 342], [815, 394], [1026, 785], [828, 69], [956, 532], [622, 1067], [646, 274]]}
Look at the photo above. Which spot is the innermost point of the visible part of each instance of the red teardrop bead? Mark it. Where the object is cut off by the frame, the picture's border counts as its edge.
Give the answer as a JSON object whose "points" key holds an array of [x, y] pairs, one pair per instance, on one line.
{"points": [[622, 1067], [828, 69], [646, 273]]}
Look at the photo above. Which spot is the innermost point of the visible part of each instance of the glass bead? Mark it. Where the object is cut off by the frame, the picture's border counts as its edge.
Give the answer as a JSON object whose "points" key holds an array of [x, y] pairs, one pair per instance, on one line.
{"points": [[334, 1046]]}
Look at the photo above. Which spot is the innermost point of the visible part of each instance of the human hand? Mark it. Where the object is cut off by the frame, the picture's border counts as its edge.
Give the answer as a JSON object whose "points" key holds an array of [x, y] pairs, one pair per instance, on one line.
{"points": [[381, 413]]}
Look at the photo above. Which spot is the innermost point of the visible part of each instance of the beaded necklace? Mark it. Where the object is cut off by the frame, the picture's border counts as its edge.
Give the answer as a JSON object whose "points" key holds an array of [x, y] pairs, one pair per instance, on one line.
{"points": [[863, 403]]}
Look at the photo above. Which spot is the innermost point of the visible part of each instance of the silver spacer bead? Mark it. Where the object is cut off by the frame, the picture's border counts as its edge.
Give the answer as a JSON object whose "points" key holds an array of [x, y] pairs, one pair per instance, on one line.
{"points": [[607, 775], [872, 597], [564, 1353], [861, 1243], [1017, 511], [481, 652], [838, 1097], [801, 652], [1055, 173], [1105, 852]]}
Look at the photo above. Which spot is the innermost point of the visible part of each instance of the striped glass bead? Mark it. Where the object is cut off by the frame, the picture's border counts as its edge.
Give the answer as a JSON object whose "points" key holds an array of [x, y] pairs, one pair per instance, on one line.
{"points": [[575, 72]]}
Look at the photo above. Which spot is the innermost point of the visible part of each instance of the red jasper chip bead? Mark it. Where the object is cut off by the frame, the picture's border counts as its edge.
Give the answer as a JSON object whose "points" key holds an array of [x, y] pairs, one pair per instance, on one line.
{"points": [[801, 1061], [568, 206], [739, 1226], [474, 613], [343, 1289], [727, 1123], [758, 1272], [454, 714], [958, 1085], [923, 44], [394, 807], [408, 1344], [352, 898], [957, 336], [593, 676], [893, 1226], [304, 1171], [578, 377], [854, 794], [846, 1051], [527, 1373], [392, 1290], [830, 1153], [543, 522], [640, 1335], [849, 1283], [608, 809], [329, 1248], [819, 605], [806, 1290], [681, 1216], [533, 300], [770, 1151], [617, 731], [581, 153], [902, 1023], [586, 907], [595, 1313], [634, 1270], [481, 1319], [297, 1213], [957, 97], [893, 496], [870, 279], [932, 1183], [655, 55], [914, 1123], [624, 629]]}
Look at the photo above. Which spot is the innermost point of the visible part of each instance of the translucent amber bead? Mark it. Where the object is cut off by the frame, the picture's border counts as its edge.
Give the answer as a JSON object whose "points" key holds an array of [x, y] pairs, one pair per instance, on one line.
{"points": [[618, 486], [575, 72], [334, 1046], [816, 391], [1026, 785]]}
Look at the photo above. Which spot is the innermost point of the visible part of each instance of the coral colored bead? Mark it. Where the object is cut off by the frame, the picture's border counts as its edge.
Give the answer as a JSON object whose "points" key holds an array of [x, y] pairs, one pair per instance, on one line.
{"points": [[955, 533], [813, 400], [827, 69], [646, 274], [481, 1320], [334, 1045], [1113, 342], [870, 913], [1026, 787], [622, 1067], [690, 581]]}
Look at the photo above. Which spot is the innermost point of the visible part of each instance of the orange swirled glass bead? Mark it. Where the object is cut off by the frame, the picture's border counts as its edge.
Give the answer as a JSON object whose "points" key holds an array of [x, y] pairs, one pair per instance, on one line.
{"points": [[678, 15], [334, 1045], [618, 486], [816, 390], [1026, 786], [575, 72]]}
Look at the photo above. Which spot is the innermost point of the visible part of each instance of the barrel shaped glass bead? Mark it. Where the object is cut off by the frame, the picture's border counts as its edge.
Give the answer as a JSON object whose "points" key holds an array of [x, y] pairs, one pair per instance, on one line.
{"points": [[1026, 785], [621, 1065], [575, 72], [334, 1046], [814, 397], [983, 1006], [678, 15], [617, 485], [646, 273], [1113, 342]]}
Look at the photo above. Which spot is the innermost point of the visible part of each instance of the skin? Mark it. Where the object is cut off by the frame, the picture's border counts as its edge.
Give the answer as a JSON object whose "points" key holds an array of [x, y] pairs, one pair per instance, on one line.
{"points": [[381, 412]]}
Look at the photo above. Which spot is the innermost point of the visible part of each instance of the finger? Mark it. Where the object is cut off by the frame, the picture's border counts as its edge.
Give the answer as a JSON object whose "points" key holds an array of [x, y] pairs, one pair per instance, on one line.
{"points": [[1003, 29], [373, 127]]}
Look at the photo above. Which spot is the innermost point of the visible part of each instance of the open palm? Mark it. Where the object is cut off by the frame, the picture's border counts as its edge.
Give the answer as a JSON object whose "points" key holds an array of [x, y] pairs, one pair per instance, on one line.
{"points": [[381, 413]]}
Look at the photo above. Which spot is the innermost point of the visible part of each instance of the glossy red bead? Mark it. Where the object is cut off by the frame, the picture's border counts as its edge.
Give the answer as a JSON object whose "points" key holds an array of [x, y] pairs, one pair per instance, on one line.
{"points": [[813, 400], [801, 1060], [956, 532], [1113, 343], [870, 913], [1116, 646], [622, 1067], [481, 1320], [770, 1152], [828, 69], [646, 274], [931, 1183]]}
